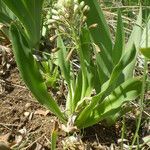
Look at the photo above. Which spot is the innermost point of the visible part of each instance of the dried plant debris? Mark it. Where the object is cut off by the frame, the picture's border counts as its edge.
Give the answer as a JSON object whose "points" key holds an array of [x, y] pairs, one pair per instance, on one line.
{"points": [[6, 60]]}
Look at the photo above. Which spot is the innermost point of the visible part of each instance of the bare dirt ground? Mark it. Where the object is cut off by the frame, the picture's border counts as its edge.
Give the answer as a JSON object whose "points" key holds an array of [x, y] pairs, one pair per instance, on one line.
{"points": [[26, 125]]}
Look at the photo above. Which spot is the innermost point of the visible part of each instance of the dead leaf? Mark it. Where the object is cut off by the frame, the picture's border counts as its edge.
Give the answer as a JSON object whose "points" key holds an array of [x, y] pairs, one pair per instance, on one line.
{"points": [[4, 142], [4, 146], [42, 112], [31, 116], [27, 105], [26, 114], [1, 26], [5, 49], [18, 139], [146, 140], [23, 131], [38, 146]]}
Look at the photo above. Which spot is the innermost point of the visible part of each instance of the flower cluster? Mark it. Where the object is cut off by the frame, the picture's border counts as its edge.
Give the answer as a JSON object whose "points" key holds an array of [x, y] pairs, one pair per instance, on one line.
{"points": [[67, 15]]}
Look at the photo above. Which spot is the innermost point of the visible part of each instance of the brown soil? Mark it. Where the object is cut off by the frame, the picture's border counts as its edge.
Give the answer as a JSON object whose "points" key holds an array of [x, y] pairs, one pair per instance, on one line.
{"points": [[26, 125]]}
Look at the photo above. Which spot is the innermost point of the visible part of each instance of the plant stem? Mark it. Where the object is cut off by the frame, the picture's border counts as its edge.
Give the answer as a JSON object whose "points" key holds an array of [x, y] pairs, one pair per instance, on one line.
{"points": [[140, 103], [142, 92], [123, 132]]}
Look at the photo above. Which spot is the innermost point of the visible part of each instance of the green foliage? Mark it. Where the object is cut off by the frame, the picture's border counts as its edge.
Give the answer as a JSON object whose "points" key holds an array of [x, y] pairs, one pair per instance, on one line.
{"points": [[6, 16], [54, 136], [29, 14], [103, 82], [30, 72], [145, 41]]}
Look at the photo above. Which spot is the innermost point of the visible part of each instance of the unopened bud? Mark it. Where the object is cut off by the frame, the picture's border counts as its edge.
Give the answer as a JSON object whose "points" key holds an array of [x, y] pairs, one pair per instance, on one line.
{"points": [[68, 3], [96, 47], [55, 49], [84, 19], [51, 21], [76, 1], [62, 29], [82, 4], [66, 15], [93, 25], [55, 17], [53, 38], [55, 12], [76, 8], [86, 8], [61, 11], [50, 26], [69, 54], [48, 16], [49, 12]]}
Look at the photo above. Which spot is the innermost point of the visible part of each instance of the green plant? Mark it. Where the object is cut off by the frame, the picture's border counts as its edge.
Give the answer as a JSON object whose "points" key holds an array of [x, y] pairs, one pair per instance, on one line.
{"points": [[145, 50], [54, 136], [145, 41], [103, 82]]}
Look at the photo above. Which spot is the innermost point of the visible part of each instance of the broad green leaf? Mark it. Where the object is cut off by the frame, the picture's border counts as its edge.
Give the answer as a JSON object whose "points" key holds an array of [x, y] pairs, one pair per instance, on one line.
{"points": [[61, 60], [6, 15], [127, 91], [118, 48], [135, 36], [30, 72], [145, 40], [134, 39], [54, 137], [78, 90], [109, 85], [5, 19], [104, 63], [124, 61], [65, 68], [145, 52], [100, 34], [85, 55], [29, 13]]}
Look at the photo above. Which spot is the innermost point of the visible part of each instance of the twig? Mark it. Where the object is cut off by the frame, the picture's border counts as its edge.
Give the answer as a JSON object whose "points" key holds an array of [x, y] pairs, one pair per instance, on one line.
{"points": [[5, 125], [33, 142], [136, 105], [12, 84]]}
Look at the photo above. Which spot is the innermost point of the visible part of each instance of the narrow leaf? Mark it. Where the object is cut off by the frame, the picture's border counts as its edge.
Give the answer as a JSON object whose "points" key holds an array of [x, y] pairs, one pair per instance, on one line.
{"points": [[134, 39], [127, 91], [29, 13], [30, 73], [119, 41], [145, 52]]}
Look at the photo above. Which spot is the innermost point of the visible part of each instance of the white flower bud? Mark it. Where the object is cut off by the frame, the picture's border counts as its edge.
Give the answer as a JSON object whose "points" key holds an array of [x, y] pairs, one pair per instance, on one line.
{"points": [[76, 8], [93, 25], [48, 16], [53, 38], [66, 15], [84, 19], [50, 27], [68, 3], [55, 17], [76, 1], [62, 29], [86, 8], [61, 11], [55, 12], [82, 4], [60, 4], [51, 21], [49, 12], [55, 49]]}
